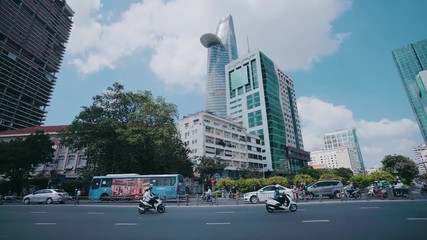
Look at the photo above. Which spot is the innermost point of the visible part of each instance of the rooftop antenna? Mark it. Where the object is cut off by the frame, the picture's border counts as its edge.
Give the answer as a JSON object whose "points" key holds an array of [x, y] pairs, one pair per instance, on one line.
{"points": [[247, 40]]}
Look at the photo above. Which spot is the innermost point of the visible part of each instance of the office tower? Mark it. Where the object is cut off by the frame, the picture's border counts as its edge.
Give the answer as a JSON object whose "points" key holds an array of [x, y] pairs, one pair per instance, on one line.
{"points": [[262, 98], [347, 138], [222, 49], [411, 62], [32, 44]]}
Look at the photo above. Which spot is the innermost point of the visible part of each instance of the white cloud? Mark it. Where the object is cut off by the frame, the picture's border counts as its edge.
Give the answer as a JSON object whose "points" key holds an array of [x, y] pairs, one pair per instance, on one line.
{"points": [[295, 34], [376, 139]]}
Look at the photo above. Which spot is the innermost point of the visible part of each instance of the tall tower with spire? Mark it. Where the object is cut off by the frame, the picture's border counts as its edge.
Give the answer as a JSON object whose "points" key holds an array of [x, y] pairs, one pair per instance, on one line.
{"points": [[222, 49]]}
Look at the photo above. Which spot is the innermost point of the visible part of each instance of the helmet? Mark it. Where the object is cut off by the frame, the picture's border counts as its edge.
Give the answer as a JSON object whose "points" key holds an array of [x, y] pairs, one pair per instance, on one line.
{"points": [[277, 185]]}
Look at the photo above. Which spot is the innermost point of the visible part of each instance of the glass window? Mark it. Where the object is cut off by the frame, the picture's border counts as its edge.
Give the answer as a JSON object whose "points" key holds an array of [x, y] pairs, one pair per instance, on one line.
{"points": [[106, 182]]}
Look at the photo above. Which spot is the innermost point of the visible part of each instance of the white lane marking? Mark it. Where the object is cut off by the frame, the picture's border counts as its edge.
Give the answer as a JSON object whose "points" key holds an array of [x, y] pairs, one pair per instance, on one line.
{"points": [[219, 223], [44, 223], [302, 209], [416, 219], [315, 221], [95, 213], [125, 224], [368, 207], [224, 212], [37, 212]]}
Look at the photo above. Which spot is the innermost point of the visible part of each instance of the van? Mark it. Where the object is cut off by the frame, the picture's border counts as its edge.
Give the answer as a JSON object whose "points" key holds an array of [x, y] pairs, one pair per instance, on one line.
{"points": [[330, 188]]}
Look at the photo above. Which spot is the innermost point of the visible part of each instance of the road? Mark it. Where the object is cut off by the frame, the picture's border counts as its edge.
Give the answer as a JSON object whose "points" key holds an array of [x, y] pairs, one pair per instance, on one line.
{"points": [[313, 220]]}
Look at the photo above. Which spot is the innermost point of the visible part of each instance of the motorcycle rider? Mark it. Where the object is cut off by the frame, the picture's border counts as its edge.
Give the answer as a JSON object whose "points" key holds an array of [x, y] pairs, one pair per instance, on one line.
{"points": [[282, 198], [148, 196]]}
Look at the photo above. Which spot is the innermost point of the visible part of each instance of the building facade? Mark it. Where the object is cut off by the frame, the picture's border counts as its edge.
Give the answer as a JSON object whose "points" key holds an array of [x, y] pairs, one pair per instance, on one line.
{"points": [[421, 158], [261, 97], [209, 135], [65, 162], [411, 63], [222, 49], [33, 35], [347, 138], [333, 158]]}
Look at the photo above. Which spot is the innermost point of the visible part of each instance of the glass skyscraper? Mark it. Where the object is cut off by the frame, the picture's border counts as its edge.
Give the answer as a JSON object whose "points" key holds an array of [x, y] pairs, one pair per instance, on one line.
{"points": [[222, 49], [262, 98], [33, 35], [346, 138], [411, 62]]}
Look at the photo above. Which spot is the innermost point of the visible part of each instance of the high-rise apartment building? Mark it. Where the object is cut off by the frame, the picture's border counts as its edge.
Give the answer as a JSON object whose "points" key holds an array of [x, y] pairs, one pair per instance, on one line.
{"points": [[33, 35], [411, 62], [222, 49], [206, 134], [262, 98], [347, 138], [421, 158]]}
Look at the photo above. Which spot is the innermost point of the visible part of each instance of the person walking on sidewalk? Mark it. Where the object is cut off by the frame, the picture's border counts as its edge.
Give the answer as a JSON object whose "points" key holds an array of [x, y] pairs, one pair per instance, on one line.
{"points": [[77, 200]]}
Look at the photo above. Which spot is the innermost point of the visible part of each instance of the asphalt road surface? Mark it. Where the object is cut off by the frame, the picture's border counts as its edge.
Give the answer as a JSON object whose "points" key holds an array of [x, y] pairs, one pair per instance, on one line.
{"points": [[326, 220]]}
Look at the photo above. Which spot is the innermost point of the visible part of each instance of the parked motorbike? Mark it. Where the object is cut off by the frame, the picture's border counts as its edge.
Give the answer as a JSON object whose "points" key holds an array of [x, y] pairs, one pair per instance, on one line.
{"points": [[284, 202], [145, 206], [381, 192], [351, 193], [400, 192]]}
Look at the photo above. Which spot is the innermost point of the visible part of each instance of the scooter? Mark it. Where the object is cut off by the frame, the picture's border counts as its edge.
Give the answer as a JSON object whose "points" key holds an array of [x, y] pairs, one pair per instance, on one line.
{"points": [[350, 193], [145, 206], [382, 193], [400, 192], [284, 202]]}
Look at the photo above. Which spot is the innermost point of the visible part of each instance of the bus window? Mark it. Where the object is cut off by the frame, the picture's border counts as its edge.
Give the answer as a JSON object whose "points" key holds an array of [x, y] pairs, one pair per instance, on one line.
{"points": [[95, 183], [106, 182]]}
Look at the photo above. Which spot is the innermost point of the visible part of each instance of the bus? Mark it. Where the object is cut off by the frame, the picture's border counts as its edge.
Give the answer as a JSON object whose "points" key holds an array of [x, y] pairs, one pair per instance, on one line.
{"points": [[132, 186]]}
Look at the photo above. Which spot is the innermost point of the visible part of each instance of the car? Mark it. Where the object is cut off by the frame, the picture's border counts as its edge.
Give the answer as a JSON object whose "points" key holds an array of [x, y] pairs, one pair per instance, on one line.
{"points": [[330, 188], [264, 193], [47, 196]]}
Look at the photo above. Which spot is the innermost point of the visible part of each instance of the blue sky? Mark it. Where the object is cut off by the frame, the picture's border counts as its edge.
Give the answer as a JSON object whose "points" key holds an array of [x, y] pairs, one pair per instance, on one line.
{"points": [[338, 52]]}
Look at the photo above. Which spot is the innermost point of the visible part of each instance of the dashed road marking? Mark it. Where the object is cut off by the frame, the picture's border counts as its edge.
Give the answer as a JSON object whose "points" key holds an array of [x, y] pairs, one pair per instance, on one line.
{"points": [[225, 212], [44, 223], [219, 223], [368, 207], [95, 213], [416, 219], [37, 212], [315, 221], [125, 224]]}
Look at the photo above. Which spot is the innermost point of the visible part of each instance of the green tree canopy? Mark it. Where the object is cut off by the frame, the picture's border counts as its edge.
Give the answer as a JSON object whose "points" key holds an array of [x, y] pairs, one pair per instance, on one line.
{"points": [[400, 166], [208, 167], [19, 156], [345, 173], [127, 132], [313, 172], [277, 180], [303, 178]]}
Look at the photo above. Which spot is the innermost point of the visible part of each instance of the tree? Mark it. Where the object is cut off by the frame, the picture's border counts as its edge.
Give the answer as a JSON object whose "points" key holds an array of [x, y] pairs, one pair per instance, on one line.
{"points": [[314, 173], [345, 173], [400, 166], [277, 180], [302, 178], [124, 132], [19, 156], [330, 176], [208, 167]]}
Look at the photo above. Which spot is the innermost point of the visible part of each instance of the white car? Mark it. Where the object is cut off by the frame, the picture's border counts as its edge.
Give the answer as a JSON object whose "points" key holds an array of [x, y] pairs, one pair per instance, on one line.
{"points": [[265, 193], [47, 196]]}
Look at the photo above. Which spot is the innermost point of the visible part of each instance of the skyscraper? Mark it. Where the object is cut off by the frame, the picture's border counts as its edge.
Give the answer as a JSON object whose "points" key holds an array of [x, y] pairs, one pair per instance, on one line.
{"points": [[222, 49], [32, 44], [411, 62], [262, 98], [346, 138]]}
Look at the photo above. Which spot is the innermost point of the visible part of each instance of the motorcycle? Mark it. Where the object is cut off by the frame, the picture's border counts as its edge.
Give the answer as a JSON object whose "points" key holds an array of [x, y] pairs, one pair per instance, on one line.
{"points": [[351, 193], [145, 206], [284, 202], [382, 192], [400, 192]]}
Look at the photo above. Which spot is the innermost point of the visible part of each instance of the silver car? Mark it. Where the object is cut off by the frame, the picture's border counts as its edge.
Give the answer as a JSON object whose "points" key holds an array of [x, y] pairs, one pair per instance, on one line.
{"points": [[47, 196]]}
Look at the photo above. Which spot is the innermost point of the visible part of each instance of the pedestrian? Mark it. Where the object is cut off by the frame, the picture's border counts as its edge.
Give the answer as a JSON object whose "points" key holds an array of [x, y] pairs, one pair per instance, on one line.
{"points": [[77, 200]]}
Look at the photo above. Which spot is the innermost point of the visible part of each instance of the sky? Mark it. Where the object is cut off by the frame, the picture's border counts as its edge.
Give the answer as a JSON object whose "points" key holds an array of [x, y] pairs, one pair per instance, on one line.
{"points": [[338, 53]]}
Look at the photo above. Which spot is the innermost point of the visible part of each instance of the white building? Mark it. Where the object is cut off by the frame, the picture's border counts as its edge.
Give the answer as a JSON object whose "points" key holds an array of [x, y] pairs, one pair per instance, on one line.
{"points": [[208, 135], [347, 138], [333, 158], [421, 158]]}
